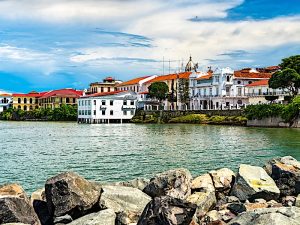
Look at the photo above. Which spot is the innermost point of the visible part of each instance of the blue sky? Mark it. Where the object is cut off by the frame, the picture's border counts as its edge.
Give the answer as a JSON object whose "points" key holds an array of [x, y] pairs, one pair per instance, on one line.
{"points": [[70, 43]]}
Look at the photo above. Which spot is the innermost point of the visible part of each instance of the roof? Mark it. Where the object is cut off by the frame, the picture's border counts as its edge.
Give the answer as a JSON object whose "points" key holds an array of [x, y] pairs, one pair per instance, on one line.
{"points": [[184, 75], [205, 77], [144, 93], [132, 82], [63, 93], [259, 83], [5, 95], [30, 95], [102, 94], [248, 73]]}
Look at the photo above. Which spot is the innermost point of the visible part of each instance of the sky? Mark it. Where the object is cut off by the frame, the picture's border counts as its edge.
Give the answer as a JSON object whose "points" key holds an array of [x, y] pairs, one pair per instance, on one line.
{"points": [[51, 44]]}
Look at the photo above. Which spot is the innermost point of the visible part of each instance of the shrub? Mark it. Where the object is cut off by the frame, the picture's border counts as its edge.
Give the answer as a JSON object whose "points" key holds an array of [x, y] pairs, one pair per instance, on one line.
{"points": [[192, 118]]}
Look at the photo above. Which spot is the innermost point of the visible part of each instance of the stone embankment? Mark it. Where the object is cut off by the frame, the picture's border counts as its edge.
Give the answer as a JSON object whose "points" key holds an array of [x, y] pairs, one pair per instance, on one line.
{"points": [[255, 195]]}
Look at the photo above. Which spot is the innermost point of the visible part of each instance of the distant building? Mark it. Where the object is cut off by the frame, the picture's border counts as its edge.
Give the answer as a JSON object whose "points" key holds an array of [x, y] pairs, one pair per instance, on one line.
{"points": [[26, 102], [113, 107], [5, 101], [108, 85], [136, 85]]}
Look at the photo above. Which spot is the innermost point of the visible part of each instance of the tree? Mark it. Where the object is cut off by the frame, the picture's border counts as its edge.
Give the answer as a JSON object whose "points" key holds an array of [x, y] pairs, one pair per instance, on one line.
{"points": [[183, 91], [158, 90], [289, 76]]}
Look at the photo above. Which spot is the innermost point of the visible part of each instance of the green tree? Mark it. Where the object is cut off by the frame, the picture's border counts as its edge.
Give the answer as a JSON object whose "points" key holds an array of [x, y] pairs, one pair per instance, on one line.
{"points": [[289, 76], [183, 91], [158, 90]]}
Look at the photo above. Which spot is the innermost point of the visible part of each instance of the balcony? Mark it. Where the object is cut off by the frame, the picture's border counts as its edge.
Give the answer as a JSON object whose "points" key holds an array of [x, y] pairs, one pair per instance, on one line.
{"points": [[128, 107]]}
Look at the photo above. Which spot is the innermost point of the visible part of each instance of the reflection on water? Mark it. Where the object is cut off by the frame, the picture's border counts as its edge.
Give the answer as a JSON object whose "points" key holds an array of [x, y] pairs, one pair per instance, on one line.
{"points": [[32, 152]]}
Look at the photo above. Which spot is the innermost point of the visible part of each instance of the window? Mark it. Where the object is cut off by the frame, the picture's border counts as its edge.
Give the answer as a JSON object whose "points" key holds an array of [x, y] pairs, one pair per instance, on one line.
{"points": [[125, 102], [111, 112], [205, 92], [108, 89], [239, 82], [103, 112], [102, 89], [228, 78], [30, 107], [79, 112], [25, 101], [30, 100], [239, 91], [131, 102], [25, 108], [111, 102], [89, 102], [94, 112], [210, 91], [132, 112], [103, 102], [74, 100], [250, 82], [19, 107], [86, 112], [19, 100], [79, 103], [217, 91], [67, 100], [125, 113], [94, 102]]}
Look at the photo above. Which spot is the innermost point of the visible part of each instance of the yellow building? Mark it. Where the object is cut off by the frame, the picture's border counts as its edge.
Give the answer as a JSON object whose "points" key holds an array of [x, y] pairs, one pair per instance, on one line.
{"points": [[26, 102], [108, 85]]}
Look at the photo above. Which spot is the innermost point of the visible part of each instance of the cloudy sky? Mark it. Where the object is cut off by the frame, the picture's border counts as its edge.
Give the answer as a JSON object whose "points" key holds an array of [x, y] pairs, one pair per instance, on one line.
{"points": [[48, 44]]}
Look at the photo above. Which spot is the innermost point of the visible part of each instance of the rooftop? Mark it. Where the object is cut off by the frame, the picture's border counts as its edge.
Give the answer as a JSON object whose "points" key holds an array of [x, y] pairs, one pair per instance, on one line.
{"points": [[251, 73], [259, 83], [183, 75], [132, 82]]}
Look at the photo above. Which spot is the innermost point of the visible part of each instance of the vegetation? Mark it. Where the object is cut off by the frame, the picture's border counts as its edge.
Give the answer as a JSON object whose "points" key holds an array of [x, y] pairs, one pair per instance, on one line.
{"points": [[288, 77], [64, 113], [192, 118], [183, 91], [158, 90], [287, 112]]}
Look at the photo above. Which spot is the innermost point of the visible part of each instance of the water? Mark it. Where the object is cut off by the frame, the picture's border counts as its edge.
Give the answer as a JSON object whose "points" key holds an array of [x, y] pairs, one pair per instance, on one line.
{"points": [[31, 152]]}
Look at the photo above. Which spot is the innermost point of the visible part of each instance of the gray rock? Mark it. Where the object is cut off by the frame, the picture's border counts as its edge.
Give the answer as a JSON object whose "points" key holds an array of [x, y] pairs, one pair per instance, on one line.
{"points": [[211, 216], [15, 206], [223, 180], [285, 172], [69, 193], [139, 183], [15, 224], [297, 203], [236, 208], [253, 182], [205, 201], [288, 201], [104, 217], [63, 219], [174, 183], [274, 216], [167, 210], [38, 195], [203, 183]]}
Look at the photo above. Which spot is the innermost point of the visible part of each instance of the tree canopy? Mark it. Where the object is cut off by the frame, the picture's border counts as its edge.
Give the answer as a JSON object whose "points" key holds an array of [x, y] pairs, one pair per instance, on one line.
{"points": [[289, 76], [158, 90]]}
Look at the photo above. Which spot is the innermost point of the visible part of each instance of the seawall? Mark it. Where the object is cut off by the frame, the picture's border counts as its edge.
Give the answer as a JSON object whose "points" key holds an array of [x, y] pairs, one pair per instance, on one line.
{"points": [[273, 122]]}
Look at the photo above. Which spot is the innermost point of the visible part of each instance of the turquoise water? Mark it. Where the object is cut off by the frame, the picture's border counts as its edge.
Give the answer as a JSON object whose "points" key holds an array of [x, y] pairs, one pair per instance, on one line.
{"points": [[31, 152]]}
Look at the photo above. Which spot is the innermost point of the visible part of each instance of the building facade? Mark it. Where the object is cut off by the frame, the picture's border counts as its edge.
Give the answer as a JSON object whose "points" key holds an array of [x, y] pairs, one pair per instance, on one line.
{"points": [[5, 101], [26, 102], [113, 107], [109, 84]]}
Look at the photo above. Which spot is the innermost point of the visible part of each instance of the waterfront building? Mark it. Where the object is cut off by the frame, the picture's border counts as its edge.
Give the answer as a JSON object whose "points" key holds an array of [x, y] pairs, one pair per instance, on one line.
{"points": [[5, 101], [223, 88], [109, 84], [26, 102], [56, 98], [109, 107], [136, 85]]}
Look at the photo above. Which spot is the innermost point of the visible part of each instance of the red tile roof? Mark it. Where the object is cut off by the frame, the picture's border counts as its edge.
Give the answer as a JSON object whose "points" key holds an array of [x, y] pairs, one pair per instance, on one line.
{"points": [[144, 93], [132, 82], [184, 75], [30, 95], [245, 73], [103, 94], [205, 77], [259, 83], [5, 95], [63, 93]]}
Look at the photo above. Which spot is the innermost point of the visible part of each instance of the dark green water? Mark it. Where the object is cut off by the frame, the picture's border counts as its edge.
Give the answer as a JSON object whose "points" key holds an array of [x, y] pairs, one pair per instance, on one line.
{"points": [[32, 152]]}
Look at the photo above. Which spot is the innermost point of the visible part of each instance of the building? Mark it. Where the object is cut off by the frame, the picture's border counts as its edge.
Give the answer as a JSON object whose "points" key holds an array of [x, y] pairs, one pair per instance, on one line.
{"points": [[108, 85], [56, 98], [136, 85], [223, 88], [26, 102], [110, 107], [5, 101]]}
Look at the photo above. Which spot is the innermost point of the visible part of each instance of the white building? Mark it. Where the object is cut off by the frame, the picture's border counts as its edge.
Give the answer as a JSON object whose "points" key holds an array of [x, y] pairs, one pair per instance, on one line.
{"points": [[5, 101], [113, 107], [223, 88]]}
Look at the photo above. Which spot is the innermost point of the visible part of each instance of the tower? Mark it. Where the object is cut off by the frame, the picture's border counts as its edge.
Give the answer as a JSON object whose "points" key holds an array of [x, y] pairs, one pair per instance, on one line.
{"points": [[191, 66]]}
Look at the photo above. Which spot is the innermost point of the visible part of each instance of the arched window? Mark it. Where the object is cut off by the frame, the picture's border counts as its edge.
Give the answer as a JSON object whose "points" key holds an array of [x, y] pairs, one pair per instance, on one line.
{"points": [[30, 107], [19, 100], [25, 108], [67, 100], [19, 107], [30, 100], [228, 78], [25, 101]]}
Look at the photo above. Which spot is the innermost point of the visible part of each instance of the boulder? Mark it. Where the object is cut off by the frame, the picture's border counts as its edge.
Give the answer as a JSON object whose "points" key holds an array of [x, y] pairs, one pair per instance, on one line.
{"points": [[288, 201], [203, 183], [174, 183], [139, 183], [227, 215], [253, 182], [38, 201], [127, 202], [211, 216], [205, 201], [274, 216], [38, 195], [236, 208], [69, 193], [15, 206], [104, 217], [223, 180], [167, 210], [285, 171]]}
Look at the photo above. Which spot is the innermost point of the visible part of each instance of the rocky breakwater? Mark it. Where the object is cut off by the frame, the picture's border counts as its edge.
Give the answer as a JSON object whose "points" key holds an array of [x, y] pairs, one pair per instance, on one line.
{"points": [[254, 195]]}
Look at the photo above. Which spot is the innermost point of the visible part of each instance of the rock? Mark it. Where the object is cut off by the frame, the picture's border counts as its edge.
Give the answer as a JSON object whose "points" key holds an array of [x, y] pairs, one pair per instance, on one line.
{"points": [[139, 183], [253, 182], [38, 201], [297, 203], [203, 183], [252, 206], [223, 180], [38, 195], [236, 208], [285, 172], [69, 193], [211, 216], [273, 204], [127, 218], [226, 215], [63, 219], [127, 202], [174, 183], [288, 201], [104, 217], [15, 206], [15, 224], [274, 216], [205, 201], [167, 210]]}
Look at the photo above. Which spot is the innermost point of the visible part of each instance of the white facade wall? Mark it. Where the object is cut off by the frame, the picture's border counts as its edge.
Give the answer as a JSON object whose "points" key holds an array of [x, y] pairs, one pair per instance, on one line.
{"points": [[5, 102]]}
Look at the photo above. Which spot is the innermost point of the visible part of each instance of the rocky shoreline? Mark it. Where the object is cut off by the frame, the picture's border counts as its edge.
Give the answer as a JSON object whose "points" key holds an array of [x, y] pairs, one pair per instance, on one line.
{"points": [[255, 195]]}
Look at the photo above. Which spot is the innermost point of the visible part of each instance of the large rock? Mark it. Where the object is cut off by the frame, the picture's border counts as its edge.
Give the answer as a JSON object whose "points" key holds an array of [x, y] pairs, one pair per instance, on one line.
{"points": [[104, 217], [205, 201], [15, 206], [167, 210], [127, 202], [38, 201], [139, 183], [253, 182], [285, 172], [203, 183], [223, 180], [69, 193], [174, 183], [274, 216]]}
